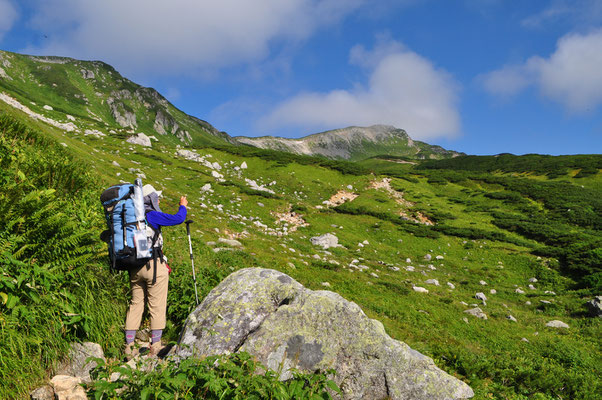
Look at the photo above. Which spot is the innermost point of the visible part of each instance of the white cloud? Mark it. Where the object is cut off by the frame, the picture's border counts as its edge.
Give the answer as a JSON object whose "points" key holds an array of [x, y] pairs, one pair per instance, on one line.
{"points": [[404, 90], [571, 76], [581, 13], [179, 35], [8, 16]]}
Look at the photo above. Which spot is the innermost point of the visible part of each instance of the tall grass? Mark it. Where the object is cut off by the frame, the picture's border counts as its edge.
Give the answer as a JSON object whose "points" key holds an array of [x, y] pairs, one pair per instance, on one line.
{"points": [[53, 287]]}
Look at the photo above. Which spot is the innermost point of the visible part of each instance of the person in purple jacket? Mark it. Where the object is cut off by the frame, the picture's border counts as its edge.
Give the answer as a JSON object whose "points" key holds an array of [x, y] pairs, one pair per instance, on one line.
{"points": [[150, 282]]}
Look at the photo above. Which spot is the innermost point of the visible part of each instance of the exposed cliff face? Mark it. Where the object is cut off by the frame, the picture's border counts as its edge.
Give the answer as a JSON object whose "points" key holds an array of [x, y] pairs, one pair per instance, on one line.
{"points": [[353, 143]]}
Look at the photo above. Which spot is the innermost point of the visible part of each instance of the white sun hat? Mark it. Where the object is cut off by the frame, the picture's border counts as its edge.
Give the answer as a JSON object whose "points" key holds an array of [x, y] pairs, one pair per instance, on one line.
{"points": [[148, 189]]}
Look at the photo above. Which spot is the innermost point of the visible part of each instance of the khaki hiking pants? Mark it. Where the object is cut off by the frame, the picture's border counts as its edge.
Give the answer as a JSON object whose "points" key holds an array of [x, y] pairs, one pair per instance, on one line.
{"points": [[143, 289]]}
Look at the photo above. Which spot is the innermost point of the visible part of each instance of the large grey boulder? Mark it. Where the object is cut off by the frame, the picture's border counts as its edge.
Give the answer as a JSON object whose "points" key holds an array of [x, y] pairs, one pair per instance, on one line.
{"points": [[285, 325]]}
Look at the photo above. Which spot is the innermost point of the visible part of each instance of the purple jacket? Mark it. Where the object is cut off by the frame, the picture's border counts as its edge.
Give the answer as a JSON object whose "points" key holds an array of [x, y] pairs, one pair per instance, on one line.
{"points": [[156, 218]]}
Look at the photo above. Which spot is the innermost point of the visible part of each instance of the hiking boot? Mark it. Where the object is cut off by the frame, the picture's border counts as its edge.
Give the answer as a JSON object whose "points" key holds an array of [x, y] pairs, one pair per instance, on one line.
{"points": [[155, 349], [131, 351]]}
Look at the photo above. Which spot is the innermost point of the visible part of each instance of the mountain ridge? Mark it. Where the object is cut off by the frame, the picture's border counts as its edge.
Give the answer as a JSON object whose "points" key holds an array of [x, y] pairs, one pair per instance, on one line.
{"points": [[354, 143], [94, 96]]}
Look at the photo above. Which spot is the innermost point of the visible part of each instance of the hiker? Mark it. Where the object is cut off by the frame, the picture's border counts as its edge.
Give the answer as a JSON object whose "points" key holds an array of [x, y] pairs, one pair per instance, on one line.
{"points": [[149, 283]]}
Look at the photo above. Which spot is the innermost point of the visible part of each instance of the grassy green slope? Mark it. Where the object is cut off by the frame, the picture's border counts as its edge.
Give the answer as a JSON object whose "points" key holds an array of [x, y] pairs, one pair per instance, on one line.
{"points": [[90, 92], [497, 357]]}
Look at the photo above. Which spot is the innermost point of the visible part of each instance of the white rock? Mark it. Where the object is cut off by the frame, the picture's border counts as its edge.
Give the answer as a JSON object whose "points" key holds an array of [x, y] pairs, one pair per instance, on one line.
{"points": [[394, 269], [481, 296], [140, 139], [230, 242], [477, 312], [70, 117], [326, 284], [550, 292], [216, 175], [408, 260], [325, 241], [482, 283], [519, 291], [533, 280], [557, 324], [451, 285], [528, 303], [373, 275], [206, 187], [243, 165], [116, 164], [439, 258], [428, 257], [493, 291], [349, 187], [47, 107], [511, 318], [93, 132], [410, 268], [216, 166], [531, 287], [419, 289], [432, 282]]}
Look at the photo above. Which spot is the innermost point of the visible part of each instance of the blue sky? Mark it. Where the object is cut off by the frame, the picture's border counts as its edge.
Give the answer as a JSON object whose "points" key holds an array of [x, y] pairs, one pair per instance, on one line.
{"points": [[478, 76]]}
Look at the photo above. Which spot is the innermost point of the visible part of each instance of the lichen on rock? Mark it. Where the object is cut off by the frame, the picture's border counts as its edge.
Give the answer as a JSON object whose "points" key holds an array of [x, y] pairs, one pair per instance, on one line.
{"points": [[284, 325]]}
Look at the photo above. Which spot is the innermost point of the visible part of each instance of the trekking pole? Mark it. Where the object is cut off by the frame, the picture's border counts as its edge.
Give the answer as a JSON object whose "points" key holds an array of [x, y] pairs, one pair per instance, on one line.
{"points": [[192, 260]]}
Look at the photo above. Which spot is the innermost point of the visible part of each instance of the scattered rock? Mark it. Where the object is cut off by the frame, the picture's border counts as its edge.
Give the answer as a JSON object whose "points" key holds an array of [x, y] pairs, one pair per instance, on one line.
{"points": [[519, 291], [230, 242], [525, 340], [42, 393], [339, 198], [428, 257], [481, 296], [326, 284], [493, 291], [76, 364], [140, 139], [68, 388], [533, 280], [243, 165], [439, 258], [285, 325], [47, 107], [451, 285], [432, 282], [420, 289], [325, 241], [409, 268], [557, 324], [477, 312], [531, 287], [482, 283], [511, 318], [115, 164]]}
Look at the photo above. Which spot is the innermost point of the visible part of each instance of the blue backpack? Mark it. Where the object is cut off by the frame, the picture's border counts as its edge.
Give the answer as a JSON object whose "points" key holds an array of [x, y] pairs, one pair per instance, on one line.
{"points": [[127, 237]]}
